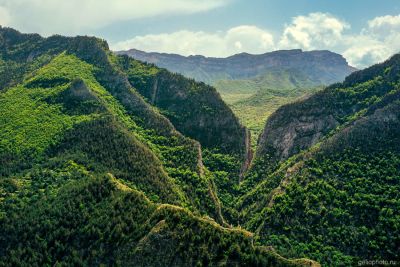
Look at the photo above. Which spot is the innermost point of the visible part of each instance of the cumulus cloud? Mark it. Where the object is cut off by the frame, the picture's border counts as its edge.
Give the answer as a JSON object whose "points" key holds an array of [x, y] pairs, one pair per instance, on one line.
{"points": [[75, 16], [377, 41], [235, 40], [313, 31], [4, 16], [364, 50], [384, 25]]}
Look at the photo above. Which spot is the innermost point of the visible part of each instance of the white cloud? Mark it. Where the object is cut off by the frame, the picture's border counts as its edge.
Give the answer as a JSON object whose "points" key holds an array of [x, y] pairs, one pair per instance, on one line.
{"points": [[238, 39], [384, 25], [363, 50], [377, 41], [4, 17], [76, 16], [313, 31], [249, 38]]}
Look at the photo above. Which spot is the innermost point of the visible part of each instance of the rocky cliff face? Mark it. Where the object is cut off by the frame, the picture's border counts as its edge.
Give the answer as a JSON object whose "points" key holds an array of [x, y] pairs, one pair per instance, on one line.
{"points": [[295, 127], [323, 67], [301, 133]]}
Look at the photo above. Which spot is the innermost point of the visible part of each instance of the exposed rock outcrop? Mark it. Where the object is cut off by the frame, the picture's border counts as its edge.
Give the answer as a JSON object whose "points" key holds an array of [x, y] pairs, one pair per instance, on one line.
{"points": [[298, 134]]}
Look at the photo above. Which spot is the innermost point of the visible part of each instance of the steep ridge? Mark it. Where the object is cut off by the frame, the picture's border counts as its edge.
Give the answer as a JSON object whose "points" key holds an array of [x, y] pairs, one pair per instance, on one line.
{"points": [[195, 109], [106, 172], [325, 180], [178, 153]]}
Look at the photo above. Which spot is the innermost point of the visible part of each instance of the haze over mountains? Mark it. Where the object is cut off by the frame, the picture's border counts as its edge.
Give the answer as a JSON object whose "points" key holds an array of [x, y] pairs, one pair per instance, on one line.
{"points": [[321, 67], [108, 160]]}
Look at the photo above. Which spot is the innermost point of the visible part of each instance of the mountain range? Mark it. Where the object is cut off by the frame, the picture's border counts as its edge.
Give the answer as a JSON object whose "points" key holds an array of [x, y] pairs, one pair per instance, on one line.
{"points": [[322, 67], [108, 160]]}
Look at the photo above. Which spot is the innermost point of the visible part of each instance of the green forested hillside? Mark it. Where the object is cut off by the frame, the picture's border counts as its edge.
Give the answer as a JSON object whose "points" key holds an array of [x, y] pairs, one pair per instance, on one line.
{"points": [[325, 181], [94, 221], [92, 173], [195, 109], [105, 160]]}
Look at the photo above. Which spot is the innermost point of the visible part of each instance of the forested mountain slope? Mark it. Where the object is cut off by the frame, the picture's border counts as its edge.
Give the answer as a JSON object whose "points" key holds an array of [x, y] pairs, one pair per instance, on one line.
{"points": [[301, 124], [325, 181], [106, 160], [92, 173], [194, 108]]}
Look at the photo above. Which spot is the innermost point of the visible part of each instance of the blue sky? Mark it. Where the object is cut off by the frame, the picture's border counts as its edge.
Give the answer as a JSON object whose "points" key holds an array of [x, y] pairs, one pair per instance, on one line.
{"points": [[268, 14], [364, 31]]}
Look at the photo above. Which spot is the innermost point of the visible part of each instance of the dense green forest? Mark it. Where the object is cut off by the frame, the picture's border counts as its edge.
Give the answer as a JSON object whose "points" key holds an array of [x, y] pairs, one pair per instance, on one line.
{"points": [[95, 172], [106, 160]]}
